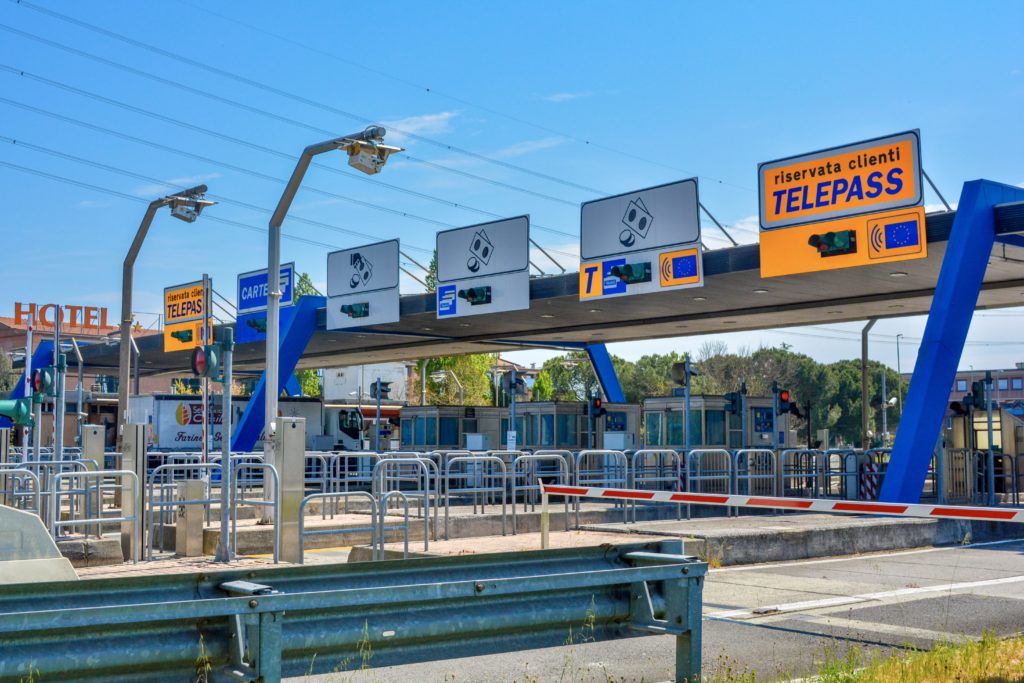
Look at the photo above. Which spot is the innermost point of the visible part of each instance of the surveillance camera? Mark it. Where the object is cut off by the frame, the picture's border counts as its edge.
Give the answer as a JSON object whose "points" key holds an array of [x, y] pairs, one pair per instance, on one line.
{"points": [[892, 401], [188, 208], [369, 157]]}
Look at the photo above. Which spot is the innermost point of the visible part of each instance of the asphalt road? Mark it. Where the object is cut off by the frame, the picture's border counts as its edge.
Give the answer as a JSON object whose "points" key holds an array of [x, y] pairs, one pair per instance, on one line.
{"points": [[782, 620]]}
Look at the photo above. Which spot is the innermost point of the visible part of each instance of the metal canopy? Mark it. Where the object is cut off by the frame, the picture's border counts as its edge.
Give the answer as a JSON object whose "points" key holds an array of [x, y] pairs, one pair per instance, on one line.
{"points": [[734, 298]]}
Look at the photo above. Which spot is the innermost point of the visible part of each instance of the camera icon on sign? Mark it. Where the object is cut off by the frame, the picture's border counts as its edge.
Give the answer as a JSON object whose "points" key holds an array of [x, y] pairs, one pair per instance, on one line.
{"points": [[637, 220], [481, 249], [363, 268]]}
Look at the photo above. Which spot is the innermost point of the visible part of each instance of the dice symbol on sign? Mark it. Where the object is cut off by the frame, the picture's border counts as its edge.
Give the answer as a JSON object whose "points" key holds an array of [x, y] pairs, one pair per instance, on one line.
{"points": [[481, 249], [637, 220]]}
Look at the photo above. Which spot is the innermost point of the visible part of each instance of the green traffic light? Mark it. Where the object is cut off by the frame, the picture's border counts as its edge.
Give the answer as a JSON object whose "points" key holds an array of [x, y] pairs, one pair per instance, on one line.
{"points": [[476, 295], [184, 336], [361, 310], [834, 243], [633, 273]]}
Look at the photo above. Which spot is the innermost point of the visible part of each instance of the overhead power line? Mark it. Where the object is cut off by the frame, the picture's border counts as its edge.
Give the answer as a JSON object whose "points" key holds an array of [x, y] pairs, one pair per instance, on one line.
{"points": [[454, 98], [251, 145], [294, 122]]}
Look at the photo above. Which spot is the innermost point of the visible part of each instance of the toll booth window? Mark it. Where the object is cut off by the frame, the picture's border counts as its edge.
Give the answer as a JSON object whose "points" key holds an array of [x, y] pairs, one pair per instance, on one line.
{"points": [[449, 432], [961, 385], [615, 422], [696, 433], [431, 431], [1017, 383], [981, 430], [652, 429], [419, 425], [519, 431], [715, 421], [406, 432], [547, 430], [532, 429], [469, 426], [674, 429], [568, 431]]}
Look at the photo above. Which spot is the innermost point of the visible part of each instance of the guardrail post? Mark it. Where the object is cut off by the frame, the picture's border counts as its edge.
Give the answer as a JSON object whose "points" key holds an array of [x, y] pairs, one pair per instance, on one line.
{"points": [[290, 451], [684, 598]]}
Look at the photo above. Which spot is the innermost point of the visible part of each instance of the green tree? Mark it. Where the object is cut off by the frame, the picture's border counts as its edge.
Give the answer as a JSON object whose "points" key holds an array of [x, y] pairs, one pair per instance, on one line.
{"points": [[473, 371], [572, 376], [543, 387], [309, 380], [431, 277], [8, 378]]}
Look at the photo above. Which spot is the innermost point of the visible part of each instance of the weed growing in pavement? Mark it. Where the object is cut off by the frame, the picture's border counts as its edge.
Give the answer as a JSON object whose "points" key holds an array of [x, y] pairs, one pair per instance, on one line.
{"points": [[33, 674], [203, 666]]}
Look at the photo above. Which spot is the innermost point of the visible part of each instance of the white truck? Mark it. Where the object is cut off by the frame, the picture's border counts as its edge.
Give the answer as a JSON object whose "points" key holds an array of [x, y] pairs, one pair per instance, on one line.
{"points": [[175, 420]]}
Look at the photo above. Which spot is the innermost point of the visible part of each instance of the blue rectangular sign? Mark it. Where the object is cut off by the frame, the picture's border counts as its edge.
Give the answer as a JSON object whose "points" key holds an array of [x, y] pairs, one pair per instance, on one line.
{"points": [[252, 289], [447, 302]]}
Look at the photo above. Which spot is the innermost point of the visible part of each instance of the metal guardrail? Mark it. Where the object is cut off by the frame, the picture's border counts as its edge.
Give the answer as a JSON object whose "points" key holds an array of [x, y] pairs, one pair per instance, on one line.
{"points": [[264, 624]]}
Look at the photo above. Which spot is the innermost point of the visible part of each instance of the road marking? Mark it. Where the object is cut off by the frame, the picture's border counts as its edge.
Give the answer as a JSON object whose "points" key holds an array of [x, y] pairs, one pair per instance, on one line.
{"points": [[887, 629], [869, 556], [840, 601]]}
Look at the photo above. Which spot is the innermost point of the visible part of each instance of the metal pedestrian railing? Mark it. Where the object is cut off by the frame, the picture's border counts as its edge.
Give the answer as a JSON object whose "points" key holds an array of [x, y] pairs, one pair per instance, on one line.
{"points": [[421, 484], [479, 477], [162, 503], [801, 472], [531, 470], [242, 479], [710, 470], [755, 471], [659, 469], [324, 498], [78, 483], [604, 468], [20, 488]]}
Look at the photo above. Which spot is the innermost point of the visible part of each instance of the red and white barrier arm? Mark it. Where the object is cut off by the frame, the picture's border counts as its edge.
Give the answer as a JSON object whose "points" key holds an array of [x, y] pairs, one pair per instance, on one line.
{"points": [[849, 507]]}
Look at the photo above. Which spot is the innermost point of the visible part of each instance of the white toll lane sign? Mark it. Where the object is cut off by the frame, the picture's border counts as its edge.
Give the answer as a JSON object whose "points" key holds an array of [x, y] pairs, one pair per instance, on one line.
{"points": [[362, 286], [641, 242], [484, 268]]}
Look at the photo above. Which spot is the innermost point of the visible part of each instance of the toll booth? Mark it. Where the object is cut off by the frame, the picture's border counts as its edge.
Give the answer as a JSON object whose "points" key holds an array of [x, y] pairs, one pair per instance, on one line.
{"points": [[539, 425], [564, 425], [710, 425], [970, 431], [448, 428]]}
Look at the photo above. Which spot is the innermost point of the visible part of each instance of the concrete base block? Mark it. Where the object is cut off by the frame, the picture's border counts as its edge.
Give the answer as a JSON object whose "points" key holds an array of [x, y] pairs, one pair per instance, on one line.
{"points": [[92, 552]]}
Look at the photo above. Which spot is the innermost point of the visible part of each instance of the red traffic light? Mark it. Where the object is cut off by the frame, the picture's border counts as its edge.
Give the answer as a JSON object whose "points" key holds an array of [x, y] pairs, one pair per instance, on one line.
{"points": [[784, 395], [37, 381], [199, 361], [597, 403]]}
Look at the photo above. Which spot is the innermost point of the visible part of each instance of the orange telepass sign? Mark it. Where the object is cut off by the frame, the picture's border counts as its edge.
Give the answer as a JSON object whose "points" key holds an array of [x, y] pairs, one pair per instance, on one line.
{"points": [[869, 176], [847, 206]]}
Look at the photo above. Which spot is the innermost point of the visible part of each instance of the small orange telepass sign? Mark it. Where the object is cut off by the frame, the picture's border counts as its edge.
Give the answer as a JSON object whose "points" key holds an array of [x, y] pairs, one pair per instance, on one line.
{"points": [[846, 206]]}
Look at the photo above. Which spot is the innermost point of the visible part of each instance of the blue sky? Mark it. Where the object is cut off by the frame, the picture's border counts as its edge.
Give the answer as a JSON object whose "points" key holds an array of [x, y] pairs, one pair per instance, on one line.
{"points": [[575, 100]]}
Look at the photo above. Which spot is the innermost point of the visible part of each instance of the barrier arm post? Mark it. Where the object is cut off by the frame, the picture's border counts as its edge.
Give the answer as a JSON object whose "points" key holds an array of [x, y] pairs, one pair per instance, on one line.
{"points": [[545, 521]]}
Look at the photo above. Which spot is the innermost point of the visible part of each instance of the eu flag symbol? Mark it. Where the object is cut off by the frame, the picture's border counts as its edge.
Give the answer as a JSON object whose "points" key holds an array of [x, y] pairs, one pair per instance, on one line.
{"points": [[902, 234], [684, 266]]}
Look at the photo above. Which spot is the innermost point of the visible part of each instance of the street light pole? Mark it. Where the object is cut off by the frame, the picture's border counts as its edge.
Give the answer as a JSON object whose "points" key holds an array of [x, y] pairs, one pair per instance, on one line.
{"points": [[367, 163], [186, 206], [899, 373]]}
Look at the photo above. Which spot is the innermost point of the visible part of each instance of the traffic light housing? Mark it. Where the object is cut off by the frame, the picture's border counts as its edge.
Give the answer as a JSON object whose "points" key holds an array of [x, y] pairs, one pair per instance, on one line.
{"points": [[597, 408], [18, 410], [361, 310], [381, 390], [476, 295], [184, 336], [978, 395], [785, 405], [44, 381], [632, 273], [206, 361], [732, 403], [258, 324], [834, 243]]}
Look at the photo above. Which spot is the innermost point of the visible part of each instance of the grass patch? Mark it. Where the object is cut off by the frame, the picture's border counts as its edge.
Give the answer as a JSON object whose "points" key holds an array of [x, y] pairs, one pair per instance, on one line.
{"points": [[989, 660]]}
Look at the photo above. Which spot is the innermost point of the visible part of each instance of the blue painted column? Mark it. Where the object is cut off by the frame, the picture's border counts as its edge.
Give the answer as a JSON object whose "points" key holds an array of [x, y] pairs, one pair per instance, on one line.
{"points": [[605, 371], [295, 335], [956, 295]]}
